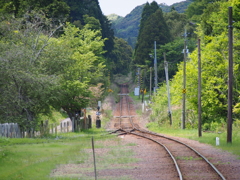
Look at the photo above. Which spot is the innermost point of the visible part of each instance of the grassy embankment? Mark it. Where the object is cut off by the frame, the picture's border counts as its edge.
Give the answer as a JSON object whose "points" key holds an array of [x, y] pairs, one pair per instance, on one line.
{"points": [[207, 137], [35, 158]]}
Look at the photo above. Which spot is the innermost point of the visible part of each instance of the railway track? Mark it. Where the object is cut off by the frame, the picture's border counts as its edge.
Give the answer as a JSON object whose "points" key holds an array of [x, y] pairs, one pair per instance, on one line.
{"points": [[187, 163], [126, 118]]}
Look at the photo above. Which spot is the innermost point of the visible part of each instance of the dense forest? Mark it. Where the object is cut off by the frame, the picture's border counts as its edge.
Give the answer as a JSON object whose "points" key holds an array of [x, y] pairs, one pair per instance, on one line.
{"points": [[207, 21], [52, 54]]}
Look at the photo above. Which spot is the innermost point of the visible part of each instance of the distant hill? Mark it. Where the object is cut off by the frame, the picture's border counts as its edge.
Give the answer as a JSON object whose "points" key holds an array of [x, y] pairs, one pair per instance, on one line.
{"points": [[114, 17], [127, 27]]}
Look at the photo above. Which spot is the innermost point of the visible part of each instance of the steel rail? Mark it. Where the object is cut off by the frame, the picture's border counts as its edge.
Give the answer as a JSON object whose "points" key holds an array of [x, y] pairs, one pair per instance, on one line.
{"points": [[122, 96], [130, 118], [162, 136], [168, 151], [198, 153]]}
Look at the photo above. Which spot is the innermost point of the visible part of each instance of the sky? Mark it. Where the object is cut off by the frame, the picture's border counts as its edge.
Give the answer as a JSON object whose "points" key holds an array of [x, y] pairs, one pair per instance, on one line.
{"points": [[124, 7]]}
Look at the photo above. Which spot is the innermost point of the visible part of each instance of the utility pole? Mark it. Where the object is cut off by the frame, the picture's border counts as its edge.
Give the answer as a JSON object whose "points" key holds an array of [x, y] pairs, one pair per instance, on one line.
{"points": [[150, 90], [155, 67], [168, 89], [199, 90], [139, 82], [230, 75], [184, 82]]}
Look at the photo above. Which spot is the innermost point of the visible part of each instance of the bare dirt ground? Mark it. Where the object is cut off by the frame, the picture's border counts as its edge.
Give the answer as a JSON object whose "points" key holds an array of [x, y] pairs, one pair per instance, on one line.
{"points": [[151, 164]]}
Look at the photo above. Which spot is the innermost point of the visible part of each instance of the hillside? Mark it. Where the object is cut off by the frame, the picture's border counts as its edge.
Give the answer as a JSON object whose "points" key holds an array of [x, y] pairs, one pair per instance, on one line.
{"points": [[127, 27]]}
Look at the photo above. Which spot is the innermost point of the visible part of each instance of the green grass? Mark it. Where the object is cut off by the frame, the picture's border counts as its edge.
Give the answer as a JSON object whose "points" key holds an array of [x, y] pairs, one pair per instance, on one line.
{"points": [[55, 117], [137, 99], [31, 159], [207, 137], [36, 160]]}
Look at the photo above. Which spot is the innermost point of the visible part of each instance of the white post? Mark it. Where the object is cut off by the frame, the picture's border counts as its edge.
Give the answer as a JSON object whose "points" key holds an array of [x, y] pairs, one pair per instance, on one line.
{"points": [[217, 141]]}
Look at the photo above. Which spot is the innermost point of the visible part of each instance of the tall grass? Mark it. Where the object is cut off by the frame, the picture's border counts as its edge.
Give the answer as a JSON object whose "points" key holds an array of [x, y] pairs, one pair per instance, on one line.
{"points": [[33, 159], [207, 137]]}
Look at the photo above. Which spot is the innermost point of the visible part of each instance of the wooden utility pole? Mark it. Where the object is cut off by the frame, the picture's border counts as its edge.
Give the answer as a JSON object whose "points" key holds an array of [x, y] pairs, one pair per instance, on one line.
{"points": [[139, 84], [94, 159], [150, 90], [184, 82], [155, 67], [230, 75], [199, 90], [168, 89]]}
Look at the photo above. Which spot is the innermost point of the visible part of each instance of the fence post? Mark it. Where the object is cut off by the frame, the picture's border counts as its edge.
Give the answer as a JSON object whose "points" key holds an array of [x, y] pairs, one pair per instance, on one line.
{"points": [[67, 126], [52, 128], [8, 130], [55, 129], [23, 132], [73, 124], [41, 129], [79, 124], [46, 128], [89, 122], [0, 129]]}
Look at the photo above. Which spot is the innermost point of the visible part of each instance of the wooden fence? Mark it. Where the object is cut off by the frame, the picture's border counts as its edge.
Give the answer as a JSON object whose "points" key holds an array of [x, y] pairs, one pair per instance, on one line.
{"points": [[12, 130]]}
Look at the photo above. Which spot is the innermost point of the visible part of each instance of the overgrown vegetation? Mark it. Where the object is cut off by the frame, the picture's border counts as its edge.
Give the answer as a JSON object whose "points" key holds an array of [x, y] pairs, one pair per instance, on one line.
{"points": [[208, 137], [49, 64], [214, 54], [37, 158]]}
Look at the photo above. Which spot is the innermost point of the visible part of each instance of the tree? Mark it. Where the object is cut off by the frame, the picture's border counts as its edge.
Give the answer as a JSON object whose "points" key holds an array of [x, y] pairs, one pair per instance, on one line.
{"points": [[147, 11], [91, 8], [214, 55], [85, 64], [27, 89], [121, 57], [176, 23], [41, 72], [196, 9], [155, 29], [57, 10]]}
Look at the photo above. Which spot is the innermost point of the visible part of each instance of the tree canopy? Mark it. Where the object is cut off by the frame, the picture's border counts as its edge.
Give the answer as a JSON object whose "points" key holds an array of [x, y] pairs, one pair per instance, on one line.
{"points": [[153, 28], [214, 54], [41, 71]]}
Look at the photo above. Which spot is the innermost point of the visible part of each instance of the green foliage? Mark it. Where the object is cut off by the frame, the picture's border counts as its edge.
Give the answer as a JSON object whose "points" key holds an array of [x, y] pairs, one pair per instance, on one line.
{"points": [[176, 23], [40, 72], [214, 56], [128, 27], [120, 57], [78, 10], [85, 64], [174, 56], [27, 88], [38, 158], [92, 23], [208, 137], [196, 9], [154, 28], [56, 10]]}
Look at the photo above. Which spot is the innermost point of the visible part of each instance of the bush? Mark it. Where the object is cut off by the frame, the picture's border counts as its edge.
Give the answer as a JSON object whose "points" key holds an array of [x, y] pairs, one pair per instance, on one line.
{"points": [[206, 126]]}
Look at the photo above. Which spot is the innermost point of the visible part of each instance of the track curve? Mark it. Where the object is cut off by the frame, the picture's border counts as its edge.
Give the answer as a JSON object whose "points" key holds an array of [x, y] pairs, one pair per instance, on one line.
{"points": [[182, 155]]}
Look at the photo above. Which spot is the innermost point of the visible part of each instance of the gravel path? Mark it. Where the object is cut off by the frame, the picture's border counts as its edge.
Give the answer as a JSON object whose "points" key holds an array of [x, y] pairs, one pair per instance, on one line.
{"points": [[152, 164]]}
